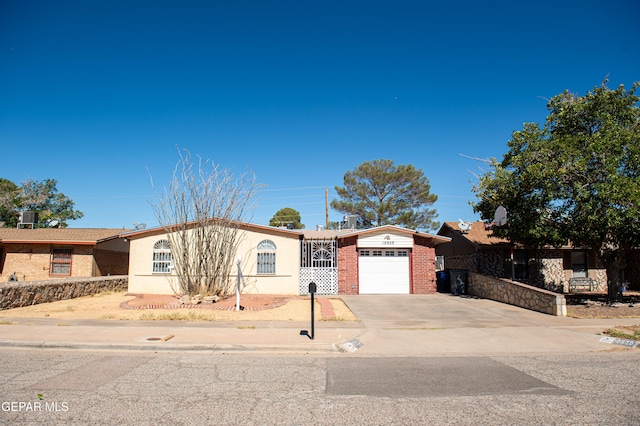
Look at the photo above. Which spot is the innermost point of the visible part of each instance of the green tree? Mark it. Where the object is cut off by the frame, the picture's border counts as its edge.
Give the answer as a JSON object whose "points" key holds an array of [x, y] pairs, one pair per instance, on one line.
{"points": [[576, 179], [287, 217], [381, 193], [41, 197], [8, 203]]}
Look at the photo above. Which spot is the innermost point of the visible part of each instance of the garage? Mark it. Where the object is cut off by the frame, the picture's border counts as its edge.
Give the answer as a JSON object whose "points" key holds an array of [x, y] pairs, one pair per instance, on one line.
{"points": [[384, 271], [387, 260], [383, 262]]}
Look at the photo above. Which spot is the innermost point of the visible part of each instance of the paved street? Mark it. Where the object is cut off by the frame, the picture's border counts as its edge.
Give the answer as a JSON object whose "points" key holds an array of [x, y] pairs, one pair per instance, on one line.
{"points": [[436, 359], [130, 387]]}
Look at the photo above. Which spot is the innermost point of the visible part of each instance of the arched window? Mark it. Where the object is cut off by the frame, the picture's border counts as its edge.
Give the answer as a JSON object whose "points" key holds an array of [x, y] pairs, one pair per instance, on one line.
{"points": [[322, 254], [266, 257], [162, 257]]}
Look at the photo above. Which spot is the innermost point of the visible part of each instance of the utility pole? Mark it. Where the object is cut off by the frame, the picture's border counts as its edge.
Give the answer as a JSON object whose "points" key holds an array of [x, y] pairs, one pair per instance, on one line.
{"points": [[326, 207]]}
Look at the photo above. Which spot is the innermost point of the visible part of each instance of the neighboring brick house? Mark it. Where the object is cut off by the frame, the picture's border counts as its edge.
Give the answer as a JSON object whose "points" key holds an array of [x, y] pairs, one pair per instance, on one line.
{"points": [[477, 250], [52, 253], [383, 260]]}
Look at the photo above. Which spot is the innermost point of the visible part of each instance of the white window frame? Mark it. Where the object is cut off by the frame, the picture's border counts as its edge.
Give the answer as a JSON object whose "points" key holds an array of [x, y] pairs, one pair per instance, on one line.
{"points": [[266, 258], [161, 260]]}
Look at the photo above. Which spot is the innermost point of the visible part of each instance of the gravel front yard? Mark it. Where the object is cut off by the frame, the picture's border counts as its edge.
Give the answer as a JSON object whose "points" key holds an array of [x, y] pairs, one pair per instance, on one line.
{"points": [[596, 305]]}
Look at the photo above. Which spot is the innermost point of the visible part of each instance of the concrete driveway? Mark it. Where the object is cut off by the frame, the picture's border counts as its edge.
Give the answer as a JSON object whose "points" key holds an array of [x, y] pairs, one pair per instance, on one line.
{"points": [[439, 324], [442, 310]]}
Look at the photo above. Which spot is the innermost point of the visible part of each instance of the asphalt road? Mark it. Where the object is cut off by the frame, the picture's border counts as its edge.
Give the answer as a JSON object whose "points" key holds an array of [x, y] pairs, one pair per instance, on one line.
{"points": [[128, 387]]}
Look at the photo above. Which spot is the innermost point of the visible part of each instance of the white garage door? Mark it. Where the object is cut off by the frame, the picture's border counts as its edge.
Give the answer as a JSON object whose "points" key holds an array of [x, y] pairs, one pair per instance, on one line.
{"points": [[383, 271]]}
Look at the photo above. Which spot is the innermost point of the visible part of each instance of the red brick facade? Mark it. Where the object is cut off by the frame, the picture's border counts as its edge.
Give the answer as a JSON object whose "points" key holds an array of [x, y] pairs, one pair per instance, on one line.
{"points": [[348, 265], [423, 266]]}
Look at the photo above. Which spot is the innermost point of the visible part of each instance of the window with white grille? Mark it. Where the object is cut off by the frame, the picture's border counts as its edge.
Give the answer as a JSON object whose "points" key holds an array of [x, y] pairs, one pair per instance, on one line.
{"points": [[266, 257], [161, 257]]}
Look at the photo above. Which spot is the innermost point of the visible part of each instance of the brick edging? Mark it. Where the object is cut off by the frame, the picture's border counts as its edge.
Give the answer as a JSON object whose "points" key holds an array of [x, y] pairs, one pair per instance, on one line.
{"points": [[326, 308]]}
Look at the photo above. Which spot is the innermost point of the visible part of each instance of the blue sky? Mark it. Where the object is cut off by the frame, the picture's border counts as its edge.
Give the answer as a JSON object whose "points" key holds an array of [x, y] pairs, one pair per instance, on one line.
{"points": [[98, 94]]}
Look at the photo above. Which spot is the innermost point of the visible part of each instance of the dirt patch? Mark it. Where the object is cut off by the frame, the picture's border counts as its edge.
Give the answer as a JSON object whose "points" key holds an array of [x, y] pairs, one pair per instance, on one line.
{"points": [[597, 305], [251, 302], [152, 307]]}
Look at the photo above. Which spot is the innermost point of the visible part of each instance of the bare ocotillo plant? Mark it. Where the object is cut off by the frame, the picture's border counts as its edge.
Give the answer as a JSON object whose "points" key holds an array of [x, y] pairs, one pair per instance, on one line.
{"points": [[201, 212]]}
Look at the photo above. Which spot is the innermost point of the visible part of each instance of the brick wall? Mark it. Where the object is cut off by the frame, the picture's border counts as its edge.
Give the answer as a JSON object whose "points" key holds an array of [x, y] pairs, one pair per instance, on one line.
{"points": [[18, 294], [423, 268], [27, 261], [82, 261], [31, 262], [107, 262], [348, 266]]}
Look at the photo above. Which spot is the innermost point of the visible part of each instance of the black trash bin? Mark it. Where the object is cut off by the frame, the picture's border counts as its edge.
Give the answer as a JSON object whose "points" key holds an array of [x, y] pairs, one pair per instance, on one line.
{"points": [[443, 283], [459, 279]]}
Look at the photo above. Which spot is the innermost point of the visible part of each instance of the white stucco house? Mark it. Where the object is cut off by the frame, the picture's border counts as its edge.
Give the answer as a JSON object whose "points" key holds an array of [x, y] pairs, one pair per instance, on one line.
{"points": [[267, 257], [381, 260]]}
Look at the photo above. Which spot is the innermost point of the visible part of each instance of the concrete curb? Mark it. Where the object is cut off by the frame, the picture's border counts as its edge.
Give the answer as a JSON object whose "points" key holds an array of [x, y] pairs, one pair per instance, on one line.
{"points": [[221, 348]]}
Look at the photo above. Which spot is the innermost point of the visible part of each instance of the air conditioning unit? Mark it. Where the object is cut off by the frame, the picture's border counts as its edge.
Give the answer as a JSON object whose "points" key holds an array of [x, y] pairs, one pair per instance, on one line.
{"points": [[28, 218], [351, 221]]}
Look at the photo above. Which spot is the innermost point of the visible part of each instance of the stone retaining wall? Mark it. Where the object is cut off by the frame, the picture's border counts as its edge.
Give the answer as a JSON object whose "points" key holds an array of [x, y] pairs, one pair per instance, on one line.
{"points": [[517, 294], [26, 293]]}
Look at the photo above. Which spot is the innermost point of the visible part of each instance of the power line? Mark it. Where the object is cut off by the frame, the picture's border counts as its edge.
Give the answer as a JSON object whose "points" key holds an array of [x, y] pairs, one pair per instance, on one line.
{"points": [[294, 189]]}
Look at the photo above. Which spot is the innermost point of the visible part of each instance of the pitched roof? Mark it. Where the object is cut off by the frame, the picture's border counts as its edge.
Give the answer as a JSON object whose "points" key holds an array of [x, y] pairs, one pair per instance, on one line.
{"points": [[325, 234], [397, 229], [241, 225], [478, 234], [74, 236]]}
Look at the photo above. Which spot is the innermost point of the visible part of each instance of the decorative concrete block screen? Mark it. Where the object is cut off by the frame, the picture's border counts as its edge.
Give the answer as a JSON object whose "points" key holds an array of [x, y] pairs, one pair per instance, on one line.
{"points": [[326, 280]]}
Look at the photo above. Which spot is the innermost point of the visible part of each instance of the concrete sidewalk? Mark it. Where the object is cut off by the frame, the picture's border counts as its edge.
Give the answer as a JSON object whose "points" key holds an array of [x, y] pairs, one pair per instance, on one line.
{"points": [[405, 325], [218, 336]]}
